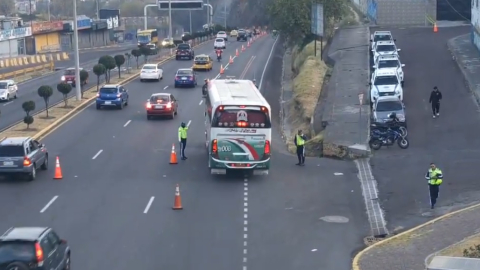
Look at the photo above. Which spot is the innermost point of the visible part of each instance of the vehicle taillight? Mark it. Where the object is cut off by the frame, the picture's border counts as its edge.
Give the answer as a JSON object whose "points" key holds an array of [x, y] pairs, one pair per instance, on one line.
{"points": [[38, 253], [191, 78], [98, 94], [149, 106], [169, 105], [264, 109], [267, 147], [242, 124], [27, 161], [177, 78], [214, 146]]}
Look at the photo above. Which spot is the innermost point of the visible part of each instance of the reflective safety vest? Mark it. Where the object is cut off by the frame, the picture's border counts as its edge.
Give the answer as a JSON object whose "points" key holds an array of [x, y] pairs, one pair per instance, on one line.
{"points": [[182, 132], [434, 177], [300, 141]]}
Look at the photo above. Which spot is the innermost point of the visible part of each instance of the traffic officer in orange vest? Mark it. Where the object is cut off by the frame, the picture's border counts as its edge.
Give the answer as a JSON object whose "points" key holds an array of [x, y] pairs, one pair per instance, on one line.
{"points": [[434, 177]]}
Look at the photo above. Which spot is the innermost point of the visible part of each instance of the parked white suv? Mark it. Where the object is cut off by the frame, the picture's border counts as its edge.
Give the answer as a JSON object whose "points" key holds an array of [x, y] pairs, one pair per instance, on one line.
{"points": [[151, 72], [385, 82], [219, 44], [8, 90], [380, 36], [391, 61], [384, 48], [222, 34]]}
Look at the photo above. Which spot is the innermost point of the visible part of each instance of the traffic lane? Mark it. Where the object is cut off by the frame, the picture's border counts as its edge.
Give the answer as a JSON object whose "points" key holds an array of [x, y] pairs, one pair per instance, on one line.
{"points": [[449, 140]]}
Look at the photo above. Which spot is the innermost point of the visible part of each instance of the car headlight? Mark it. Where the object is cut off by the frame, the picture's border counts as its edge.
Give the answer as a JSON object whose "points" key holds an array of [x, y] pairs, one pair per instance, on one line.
{"points": [[62, 78], [401, 117]]}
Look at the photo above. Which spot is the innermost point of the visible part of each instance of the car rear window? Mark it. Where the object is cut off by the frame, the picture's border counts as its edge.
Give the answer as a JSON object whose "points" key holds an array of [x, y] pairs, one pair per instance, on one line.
{"points": [[149, 67], [11, 151], [219, 40], [183, 46], [221, 33], [16, 251], [69, 72], [201, 59], [184, 72], [159, 99], [3, 85], [108, 90]]}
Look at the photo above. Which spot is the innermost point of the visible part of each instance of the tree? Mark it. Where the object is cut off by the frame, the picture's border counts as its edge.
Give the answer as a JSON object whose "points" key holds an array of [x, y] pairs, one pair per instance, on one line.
{"points": [[45, 92], [145, 51], [7, 7], [28, 106], [83, 80], [119, 61], [99, 70], [65, 89], [109, 63], [136, 53], [28, 120]]}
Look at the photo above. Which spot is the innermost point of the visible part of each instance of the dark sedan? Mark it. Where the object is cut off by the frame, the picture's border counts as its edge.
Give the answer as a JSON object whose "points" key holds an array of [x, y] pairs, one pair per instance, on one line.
{"points": [[185, 77]]}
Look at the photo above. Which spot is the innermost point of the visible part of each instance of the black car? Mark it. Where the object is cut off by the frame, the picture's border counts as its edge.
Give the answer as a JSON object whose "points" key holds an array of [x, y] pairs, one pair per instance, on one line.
{"points": [[33, 248], [242, 35], [184, 50]]}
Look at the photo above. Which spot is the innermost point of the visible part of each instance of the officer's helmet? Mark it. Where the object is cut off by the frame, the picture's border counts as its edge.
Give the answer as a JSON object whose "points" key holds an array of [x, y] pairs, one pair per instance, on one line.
{"points": [[183, 124]]}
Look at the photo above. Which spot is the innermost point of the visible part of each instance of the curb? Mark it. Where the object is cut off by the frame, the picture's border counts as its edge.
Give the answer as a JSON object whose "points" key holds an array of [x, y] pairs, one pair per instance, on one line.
{"points": [[356, 259], [44, 132]]}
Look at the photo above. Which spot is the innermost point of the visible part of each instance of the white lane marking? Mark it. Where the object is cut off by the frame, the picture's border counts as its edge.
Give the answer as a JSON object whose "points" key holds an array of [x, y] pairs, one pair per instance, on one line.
{"points": [[201, 101], [48, 204], [128, 122], [149, 204], [97, 154], [245, 223], [165, 87], [266, 64], [10, 102], [225, 67], [337, 173], [247, 67], [189, 122]]}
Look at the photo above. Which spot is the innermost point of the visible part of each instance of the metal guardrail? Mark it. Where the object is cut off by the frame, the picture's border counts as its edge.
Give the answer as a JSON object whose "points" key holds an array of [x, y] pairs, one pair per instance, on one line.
{"points": [[15, 74]]}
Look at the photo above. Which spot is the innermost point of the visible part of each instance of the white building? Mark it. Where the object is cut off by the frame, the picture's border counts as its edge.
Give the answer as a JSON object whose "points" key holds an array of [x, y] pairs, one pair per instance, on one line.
{"points": [[476, 23]]}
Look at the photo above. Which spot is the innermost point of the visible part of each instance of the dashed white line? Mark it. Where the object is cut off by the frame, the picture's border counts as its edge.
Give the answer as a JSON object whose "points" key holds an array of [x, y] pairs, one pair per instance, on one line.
{"points": [[97, 154], [149, 204], [8, 103], [189, 122], [128, 122], [48, 204], [165, 87], [201, 101], [245, 223]]}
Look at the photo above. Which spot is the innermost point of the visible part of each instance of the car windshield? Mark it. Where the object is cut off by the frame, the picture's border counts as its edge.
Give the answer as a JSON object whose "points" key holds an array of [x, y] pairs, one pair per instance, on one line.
{"points": [[184, 72], [183, 46], [3, 85], [385, 48], [382, 38], [108, 90], [69, 72], [388, 64], [219, 40], [386, 80], [159, 99], [389, 106], [16, 251], [149, 67], [201, 59], [11, 151]]}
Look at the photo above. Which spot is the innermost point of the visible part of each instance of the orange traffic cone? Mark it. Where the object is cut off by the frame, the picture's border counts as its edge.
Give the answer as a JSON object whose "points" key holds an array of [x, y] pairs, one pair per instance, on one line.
{"points": [[435, 28], [248, 44], [222, 70], [236, 53], [243, 48], [231, 60], [173, 155], [177, 204], [58, 171]]}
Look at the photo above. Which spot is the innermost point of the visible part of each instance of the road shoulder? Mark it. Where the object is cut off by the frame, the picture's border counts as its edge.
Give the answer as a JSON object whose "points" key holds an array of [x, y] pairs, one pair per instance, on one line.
{"points": [[420, 243]]}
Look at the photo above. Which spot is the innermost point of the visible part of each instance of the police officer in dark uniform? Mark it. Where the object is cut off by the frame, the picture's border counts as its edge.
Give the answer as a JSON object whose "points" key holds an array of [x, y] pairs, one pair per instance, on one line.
{"points": [[299, 141], [434, 177], [435, 98], [182, 139]]}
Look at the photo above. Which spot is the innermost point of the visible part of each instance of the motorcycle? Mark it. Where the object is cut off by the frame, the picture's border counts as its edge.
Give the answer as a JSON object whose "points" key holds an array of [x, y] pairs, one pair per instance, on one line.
{"points": [[219, 57], [387, 138], [385, 126]]}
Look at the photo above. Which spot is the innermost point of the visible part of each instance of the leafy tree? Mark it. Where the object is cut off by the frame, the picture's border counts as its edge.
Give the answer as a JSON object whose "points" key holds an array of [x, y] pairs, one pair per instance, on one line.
{"points": [[7, 7], [136, 53], [28, 120], [119, 61], [99, 70], [109, 63], [83, 80], [472, 252], [45, 92], [28, 106], [65, 89], [145, 51]]}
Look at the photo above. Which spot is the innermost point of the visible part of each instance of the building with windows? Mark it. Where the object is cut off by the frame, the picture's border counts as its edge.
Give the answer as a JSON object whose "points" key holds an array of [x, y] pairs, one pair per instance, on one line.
{"points": [[12, 36], [476, 23]]}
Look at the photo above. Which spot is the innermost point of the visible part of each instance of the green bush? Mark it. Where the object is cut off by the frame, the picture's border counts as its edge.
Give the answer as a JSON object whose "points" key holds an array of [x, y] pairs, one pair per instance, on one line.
{"points": [[472, 252]]}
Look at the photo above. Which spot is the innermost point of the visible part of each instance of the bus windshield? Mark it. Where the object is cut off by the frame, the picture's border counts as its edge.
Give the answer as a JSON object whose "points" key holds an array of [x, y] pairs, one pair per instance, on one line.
{"points": [[143, 38], [249, 118]]}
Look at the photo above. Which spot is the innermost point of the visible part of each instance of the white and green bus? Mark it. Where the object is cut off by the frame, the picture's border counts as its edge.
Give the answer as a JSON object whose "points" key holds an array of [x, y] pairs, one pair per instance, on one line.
{"points": [[238, 127]]}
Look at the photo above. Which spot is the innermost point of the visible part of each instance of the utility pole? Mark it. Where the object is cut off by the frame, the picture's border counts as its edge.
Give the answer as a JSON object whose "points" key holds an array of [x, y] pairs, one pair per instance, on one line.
{"points": [[225, 13], [78, 83], [170, 31], [48, 9], [191, 21], [98, 9]]}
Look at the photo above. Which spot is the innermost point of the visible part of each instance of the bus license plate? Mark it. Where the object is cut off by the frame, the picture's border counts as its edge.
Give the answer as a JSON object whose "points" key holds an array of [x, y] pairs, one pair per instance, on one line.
{"points": [[240, 165]]}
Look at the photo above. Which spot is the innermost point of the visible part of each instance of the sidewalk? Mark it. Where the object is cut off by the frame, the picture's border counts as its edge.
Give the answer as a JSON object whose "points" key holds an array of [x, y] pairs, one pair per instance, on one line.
{"points": [[411, 250]]}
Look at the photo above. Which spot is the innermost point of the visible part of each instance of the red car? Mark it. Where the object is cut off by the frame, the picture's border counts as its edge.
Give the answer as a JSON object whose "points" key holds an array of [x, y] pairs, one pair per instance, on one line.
{"points": [[161, 104], [69, 76]]}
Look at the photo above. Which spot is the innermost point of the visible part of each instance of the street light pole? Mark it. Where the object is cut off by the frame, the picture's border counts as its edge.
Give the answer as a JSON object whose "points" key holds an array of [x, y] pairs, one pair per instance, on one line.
{"points": [[170, 32], [48, 9], [145, 18], [78, 83], [225, 13], [191, 22], [98, 9]]}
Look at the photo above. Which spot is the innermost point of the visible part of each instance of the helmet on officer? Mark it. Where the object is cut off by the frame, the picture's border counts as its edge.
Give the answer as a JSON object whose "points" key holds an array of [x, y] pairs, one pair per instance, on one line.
{"points": [[183, 124], [393, 115]]}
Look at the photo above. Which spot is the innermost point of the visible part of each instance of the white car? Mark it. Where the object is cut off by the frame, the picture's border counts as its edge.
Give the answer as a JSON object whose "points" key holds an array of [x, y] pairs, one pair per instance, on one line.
{"points": [[380, 36], [222, 34], [391, 61], [151, 72], [219, 44], [8, 90], [384, 48], [385, 82]]}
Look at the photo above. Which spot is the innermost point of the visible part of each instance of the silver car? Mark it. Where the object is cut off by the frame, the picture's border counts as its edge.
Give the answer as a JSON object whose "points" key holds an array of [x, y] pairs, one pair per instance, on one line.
{"points": [[22, 156], [384, 106]]}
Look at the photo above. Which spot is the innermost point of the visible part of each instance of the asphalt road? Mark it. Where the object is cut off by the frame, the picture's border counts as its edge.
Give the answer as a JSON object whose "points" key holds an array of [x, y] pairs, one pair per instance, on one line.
{"points": [[450, 140], [11, 112], [114, 162]]}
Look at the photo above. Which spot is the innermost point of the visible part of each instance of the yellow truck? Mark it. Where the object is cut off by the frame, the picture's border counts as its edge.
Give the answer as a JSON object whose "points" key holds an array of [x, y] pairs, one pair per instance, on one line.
{"points": [[145, 37]]}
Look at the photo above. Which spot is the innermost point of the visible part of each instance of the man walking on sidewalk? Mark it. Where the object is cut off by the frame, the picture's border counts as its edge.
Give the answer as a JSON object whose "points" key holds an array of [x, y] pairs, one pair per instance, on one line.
{"points": [[435, 98]]}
